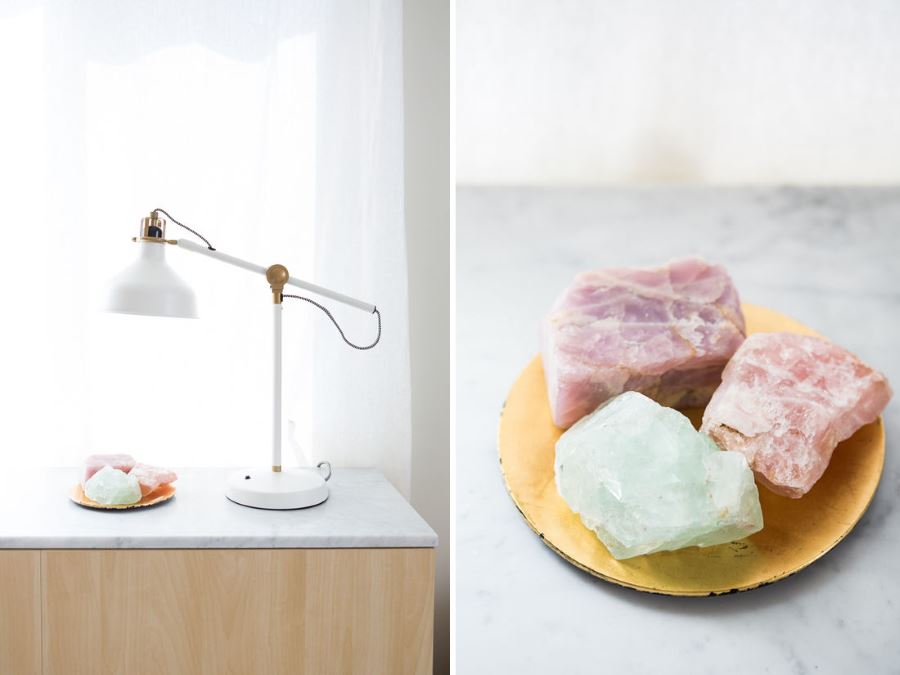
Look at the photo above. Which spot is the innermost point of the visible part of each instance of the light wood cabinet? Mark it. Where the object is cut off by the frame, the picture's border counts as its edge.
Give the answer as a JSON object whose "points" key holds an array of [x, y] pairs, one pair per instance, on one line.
{"points": [[217, 611]]}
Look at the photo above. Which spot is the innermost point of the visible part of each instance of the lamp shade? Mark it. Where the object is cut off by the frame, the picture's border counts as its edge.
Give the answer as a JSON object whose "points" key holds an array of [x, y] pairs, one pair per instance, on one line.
{"points": [[149, 286]]}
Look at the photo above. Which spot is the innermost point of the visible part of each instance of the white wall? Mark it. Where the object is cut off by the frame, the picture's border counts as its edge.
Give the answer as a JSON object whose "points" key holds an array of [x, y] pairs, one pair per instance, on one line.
{"points": [[427, 154], [599, 91]]}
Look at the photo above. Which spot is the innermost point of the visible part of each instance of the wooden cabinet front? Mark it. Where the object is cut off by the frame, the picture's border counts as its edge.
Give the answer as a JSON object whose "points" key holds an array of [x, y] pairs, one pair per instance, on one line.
{"points": [[253, 612]]}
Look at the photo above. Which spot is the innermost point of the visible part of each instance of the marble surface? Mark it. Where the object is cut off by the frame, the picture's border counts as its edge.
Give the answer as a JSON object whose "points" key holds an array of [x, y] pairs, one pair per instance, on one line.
{"points": [[363, 510], [829, 258]]}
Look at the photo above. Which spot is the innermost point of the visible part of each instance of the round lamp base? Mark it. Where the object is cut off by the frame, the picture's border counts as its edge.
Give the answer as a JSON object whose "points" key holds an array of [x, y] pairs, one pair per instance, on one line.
{"points": [[278, 490]]}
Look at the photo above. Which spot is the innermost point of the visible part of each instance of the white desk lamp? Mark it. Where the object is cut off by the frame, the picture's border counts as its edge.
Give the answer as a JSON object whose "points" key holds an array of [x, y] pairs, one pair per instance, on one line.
{"points": [[150, 287]]}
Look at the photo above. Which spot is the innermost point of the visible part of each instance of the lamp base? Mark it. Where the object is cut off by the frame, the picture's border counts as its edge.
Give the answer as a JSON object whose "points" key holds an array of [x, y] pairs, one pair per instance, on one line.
{"points": [[277, 490]]}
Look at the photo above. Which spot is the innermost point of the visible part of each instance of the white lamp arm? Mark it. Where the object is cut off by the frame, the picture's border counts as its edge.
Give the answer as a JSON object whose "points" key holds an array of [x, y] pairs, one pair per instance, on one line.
{"points": [[259, 269]]}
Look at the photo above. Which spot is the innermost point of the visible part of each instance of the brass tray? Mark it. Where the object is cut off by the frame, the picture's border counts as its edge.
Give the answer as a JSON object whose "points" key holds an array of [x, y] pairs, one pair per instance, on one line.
{"points": [[161, 494], [796, 533]]}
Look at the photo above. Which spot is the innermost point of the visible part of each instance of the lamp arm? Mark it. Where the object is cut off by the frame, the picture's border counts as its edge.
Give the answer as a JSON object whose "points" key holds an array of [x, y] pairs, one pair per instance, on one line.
{"points": [[259, 269]]}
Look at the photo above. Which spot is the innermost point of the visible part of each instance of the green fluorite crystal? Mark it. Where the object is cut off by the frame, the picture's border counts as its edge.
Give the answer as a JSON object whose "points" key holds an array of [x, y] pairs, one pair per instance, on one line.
{"points": [[112, 486], [644, 480]]}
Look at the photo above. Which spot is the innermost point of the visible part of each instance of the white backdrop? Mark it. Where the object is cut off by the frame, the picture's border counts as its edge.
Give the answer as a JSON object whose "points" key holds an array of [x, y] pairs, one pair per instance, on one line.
{"points": [[694, 91], [275, 129]]}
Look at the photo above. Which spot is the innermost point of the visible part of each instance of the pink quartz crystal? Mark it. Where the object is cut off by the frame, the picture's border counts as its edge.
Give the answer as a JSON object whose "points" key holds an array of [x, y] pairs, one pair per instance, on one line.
{"points": [[151, 477], [96, 462], [666, 332], [786, 401]]}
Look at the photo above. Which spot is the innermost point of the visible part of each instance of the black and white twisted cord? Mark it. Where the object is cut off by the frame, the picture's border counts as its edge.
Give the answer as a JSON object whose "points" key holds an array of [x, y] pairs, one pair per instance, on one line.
{"points": [[334, 321], [194, 232]]}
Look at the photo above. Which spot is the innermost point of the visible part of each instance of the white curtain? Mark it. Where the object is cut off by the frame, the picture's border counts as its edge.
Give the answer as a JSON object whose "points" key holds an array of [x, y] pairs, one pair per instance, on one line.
{"points": [[275, 129]]}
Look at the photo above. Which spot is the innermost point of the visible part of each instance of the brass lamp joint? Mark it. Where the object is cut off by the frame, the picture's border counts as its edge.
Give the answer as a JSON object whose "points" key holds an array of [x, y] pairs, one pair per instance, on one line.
{"points": [[277, 276]]}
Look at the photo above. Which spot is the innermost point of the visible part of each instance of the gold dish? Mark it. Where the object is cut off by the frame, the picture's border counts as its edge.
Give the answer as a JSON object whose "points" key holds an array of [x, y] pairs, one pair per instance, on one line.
{"points": [[796, 533], [161, 494]]}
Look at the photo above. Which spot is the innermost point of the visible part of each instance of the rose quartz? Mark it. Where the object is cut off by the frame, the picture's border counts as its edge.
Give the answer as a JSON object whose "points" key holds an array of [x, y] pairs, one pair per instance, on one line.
{"points": [[786, 401], [151, 477], [666, 332], [96, 462]]}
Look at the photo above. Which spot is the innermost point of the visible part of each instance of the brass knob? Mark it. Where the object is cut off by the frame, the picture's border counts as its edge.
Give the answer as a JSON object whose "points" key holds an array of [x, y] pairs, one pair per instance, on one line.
{"points": [[277, 276]]}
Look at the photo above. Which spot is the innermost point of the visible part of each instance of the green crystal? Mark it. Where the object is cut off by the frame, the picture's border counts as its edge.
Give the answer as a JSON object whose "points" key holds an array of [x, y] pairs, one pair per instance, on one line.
{"points": [[644, 480], [112, 486]]}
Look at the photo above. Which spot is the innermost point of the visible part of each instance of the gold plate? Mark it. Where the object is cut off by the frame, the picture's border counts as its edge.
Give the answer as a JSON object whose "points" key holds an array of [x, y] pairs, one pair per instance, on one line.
{"points": [[797, 531], [161, 494]]}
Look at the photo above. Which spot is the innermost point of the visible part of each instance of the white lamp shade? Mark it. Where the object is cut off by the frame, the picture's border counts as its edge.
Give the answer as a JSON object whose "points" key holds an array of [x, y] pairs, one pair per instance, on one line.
{"points": [[149, 286]]}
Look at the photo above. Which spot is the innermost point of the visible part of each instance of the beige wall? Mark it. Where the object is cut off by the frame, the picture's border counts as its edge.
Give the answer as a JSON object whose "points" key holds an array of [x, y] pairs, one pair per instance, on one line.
{"points": [[426, 46], [695, 91]]}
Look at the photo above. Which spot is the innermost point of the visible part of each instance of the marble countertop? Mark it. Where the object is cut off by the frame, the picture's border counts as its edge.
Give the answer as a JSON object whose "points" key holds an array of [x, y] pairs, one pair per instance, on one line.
{"points": [[363, 510], [827, 257]]}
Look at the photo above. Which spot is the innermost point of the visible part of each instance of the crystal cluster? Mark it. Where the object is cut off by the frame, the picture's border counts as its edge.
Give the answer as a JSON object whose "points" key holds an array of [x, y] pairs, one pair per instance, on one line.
{"points": [[112, 486], [785, 403], [666, 332], [644, 480], [147, 478]]}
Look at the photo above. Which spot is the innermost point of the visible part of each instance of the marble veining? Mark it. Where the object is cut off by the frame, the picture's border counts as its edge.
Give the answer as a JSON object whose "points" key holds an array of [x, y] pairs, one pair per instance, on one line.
{"points": [[824, 256], [363, 510]]}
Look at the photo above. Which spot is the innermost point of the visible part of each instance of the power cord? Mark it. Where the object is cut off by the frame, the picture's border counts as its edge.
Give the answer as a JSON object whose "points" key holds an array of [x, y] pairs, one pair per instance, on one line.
{"points": [[194, 232], [329, 315]]}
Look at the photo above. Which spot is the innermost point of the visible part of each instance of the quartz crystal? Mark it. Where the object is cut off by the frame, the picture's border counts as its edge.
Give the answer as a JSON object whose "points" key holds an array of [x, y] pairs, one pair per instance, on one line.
{"points": [[786, 401], [112, 486], [644, 480], [151, 477], [96, 462], [666, 332]]}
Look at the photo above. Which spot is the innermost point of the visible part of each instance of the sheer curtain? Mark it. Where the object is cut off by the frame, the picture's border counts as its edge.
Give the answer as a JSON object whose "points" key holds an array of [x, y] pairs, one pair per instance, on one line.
{"points": [[275, 129]]}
